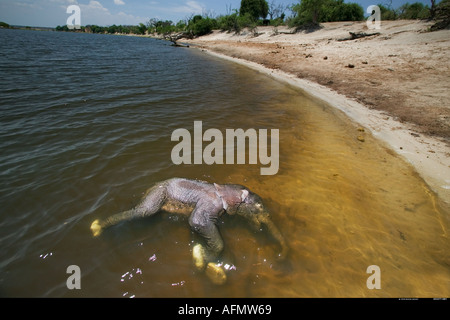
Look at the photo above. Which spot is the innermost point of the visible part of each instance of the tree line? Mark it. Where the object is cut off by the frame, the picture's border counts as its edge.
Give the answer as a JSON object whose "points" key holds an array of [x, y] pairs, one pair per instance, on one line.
{"points": [[304, 14], [140, 29]]}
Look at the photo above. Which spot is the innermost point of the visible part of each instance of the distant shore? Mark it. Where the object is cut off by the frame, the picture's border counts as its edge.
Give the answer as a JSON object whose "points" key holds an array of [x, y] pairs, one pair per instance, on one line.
{"points": [[395, 83]]}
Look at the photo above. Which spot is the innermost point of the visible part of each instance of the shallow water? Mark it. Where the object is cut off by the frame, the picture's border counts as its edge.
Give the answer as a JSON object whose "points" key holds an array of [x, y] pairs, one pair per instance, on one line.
{"points": [[86, 122]]}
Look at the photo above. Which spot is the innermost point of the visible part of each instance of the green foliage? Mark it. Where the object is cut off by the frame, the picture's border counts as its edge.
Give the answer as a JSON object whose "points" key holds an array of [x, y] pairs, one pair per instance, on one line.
{"points": [[236, 22], [200, 26], [442, 16], [309, 13], [254, 8], [62, 28], [196, 19], [141, 29], [248, 17], [181, 25], [416, 10], [387, 13], [97, 29], [413, 11], [228, 22], [278, 21], [4, 24], [340, 11], [161, 27], [246, 21], [113, 29]]}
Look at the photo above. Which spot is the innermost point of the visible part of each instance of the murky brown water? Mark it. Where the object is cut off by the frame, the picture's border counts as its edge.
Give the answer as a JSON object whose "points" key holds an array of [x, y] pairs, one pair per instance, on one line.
{"points": [[342, 204]]}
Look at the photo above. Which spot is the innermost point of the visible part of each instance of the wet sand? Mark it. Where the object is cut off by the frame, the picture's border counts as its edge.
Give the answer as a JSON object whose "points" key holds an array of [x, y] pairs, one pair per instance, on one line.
{"points": [[395, 84]]}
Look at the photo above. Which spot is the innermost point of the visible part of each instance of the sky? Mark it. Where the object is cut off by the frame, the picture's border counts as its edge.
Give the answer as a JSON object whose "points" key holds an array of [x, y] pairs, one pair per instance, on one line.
{"points": [[51, 13]]}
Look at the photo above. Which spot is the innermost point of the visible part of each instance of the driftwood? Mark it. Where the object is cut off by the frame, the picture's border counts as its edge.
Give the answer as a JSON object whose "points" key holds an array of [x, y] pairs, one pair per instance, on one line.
{"points": [[287, 32], [174, 37], [175, 44], [358, 35]]}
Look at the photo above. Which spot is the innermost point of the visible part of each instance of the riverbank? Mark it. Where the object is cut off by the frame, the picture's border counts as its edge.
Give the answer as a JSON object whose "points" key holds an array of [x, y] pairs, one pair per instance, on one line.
{"points": [[394, 83]]}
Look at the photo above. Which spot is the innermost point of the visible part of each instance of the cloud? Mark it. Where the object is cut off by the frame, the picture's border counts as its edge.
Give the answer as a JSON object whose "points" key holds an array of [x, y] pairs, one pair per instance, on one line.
{"points": [[190, 7], [93, 6], [25, 4], [51, 13], [96, 5], [96, 13]]}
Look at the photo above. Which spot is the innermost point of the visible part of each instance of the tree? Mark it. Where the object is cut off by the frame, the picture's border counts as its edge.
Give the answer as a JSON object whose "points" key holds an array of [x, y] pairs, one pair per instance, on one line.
{"points": [[442, 16], [142, 28], [112, 29], [160, 26], [200, 26], [62, 28], [308, 13], [275, 11], [255, 8], [337, 10], [413, 11], [387, 13], [97, 29], [229, 22], [433, 9]]}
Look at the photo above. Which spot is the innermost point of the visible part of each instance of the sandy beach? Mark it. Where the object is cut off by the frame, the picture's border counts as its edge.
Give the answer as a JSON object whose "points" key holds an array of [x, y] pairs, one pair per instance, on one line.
{"points": [[394, 83]]}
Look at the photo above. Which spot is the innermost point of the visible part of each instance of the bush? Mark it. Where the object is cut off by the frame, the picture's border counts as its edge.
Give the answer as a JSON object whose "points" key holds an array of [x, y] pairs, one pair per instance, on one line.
{"points": [[309, 13], [200, 26], [228, 22], [254, 8], [442, 16], [414, 11], [246, 21], [341, 11], [62, 28], [387, 13], [160, 26], [236, 23]]}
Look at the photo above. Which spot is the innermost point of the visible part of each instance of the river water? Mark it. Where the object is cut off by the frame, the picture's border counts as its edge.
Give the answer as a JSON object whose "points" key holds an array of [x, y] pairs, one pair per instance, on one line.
{"points": [[85, 128]]}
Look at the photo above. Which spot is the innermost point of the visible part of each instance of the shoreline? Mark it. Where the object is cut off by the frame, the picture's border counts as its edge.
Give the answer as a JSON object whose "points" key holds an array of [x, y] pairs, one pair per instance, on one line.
{"points": [[428, 154]]}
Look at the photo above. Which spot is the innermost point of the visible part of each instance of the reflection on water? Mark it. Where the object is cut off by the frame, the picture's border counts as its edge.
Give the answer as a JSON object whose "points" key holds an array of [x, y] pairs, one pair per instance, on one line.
{"points": [[72, 155]]}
